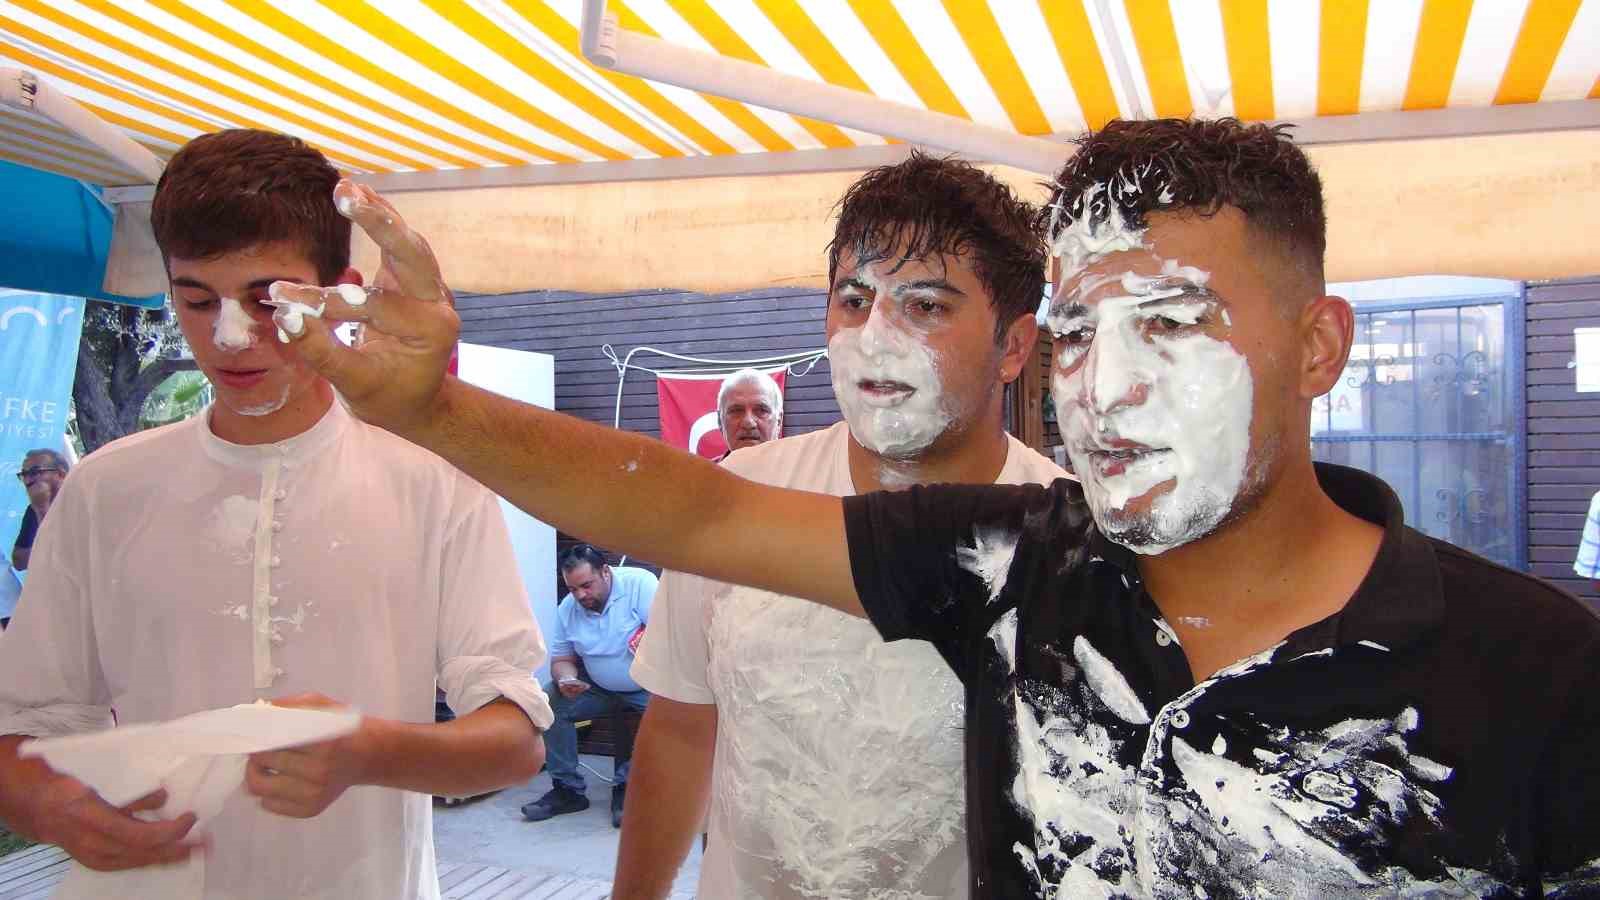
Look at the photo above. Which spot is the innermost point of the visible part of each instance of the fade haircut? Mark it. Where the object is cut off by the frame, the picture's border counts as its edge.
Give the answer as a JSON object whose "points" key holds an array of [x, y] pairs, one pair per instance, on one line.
{"points": [[234, 189], [927, 206], [1196, 166]]}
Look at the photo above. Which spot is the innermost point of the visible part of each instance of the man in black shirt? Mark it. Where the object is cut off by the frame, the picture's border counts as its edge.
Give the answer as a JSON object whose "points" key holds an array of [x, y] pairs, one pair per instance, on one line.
{"points": [[1216, 670]]}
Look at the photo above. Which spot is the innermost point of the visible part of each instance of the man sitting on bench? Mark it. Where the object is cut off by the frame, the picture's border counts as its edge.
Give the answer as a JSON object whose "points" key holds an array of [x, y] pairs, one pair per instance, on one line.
{"points": [[598, 623]]}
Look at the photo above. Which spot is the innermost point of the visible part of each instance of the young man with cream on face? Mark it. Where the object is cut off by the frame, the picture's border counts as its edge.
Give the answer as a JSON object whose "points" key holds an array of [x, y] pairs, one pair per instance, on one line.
{"points": [[824, 777], [271, 548], [1217, 669]]}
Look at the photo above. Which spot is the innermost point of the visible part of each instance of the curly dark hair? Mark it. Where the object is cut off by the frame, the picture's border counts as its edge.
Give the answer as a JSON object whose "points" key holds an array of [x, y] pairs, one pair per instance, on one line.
{"points": [[926, 206], [234, 189], [1197, 165]]}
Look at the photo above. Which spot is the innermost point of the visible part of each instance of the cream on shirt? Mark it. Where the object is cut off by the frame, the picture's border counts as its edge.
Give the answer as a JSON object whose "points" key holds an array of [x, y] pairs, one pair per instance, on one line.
{"points": [[838, 767], [178, 573]]}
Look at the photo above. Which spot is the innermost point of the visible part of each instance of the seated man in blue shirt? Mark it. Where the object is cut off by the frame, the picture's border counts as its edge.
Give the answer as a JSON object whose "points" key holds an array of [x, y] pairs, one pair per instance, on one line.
{"points": [[600, 623]]}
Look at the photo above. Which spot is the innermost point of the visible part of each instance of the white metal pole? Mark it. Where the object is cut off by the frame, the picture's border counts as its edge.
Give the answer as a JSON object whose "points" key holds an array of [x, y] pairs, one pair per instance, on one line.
{"points": [[22, 89], [609, 46]]}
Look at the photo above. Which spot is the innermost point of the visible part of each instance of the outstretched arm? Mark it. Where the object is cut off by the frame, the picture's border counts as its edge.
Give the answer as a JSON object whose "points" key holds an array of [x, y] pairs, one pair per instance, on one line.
{"points": [[625, 491]]}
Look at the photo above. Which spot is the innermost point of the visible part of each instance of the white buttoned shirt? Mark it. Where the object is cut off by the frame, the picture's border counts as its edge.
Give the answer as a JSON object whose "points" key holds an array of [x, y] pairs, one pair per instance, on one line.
{"points": [[178, 572]]}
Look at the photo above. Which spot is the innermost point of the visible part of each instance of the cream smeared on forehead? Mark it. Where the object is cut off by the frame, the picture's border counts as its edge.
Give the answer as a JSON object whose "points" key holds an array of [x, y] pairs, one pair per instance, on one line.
{"points": [[893, 424], [1145, 397]]}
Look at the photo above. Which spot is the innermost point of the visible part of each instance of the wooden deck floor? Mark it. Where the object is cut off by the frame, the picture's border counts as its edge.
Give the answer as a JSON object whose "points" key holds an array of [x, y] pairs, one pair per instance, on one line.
{"points": [[33, 873]]}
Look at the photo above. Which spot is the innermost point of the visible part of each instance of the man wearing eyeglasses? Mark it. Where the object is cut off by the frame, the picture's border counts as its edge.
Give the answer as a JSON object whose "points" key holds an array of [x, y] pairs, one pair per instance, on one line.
{"points": [[41, 475]]}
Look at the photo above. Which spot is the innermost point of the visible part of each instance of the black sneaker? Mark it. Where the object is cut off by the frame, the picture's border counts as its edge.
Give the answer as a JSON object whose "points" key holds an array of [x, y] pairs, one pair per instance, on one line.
{"points": [[558, 802], [617, 795]]}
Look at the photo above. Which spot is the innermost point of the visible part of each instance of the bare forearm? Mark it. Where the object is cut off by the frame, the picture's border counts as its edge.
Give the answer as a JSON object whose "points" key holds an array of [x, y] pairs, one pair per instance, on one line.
{"points": [[17, 780], [564, 668], [638, 495], [487, 749], [669, 789]]}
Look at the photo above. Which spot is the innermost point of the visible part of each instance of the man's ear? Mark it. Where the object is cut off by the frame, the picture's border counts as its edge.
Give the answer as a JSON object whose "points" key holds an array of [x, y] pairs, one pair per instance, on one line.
{"points": [[1018, 346], [1327, 329]]}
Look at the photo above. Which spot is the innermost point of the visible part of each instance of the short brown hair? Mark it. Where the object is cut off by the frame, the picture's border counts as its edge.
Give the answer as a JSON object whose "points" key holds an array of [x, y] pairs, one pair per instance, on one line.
{"points": [[1197, 165], [235, 189], [941, 205]]}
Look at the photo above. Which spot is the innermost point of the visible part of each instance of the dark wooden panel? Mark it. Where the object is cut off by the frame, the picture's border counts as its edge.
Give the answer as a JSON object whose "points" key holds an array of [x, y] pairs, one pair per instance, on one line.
{"points": [[1551, 343], [1562, 409], [1563, 429], [1547, 310], [1564, 441], [1566, 523], [573, 327], [1577, 459], [1560, 390]]}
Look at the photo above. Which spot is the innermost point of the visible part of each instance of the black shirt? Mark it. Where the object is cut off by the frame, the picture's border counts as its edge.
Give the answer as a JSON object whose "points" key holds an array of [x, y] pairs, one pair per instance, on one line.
{"points": [[1429, 738], [30, 528]]}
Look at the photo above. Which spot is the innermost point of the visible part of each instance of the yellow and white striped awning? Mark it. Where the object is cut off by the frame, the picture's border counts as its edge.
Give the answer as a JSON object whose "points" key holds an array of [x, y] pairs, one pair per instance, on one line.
{"points": [[436, 85]]}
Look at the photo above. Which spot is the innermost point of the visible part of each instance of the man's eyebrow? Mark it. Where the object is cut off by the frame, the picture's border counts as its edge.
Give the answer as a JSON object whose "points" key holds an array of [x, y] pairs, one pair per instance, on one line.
{"points": [[264, 282], [852, 282], [1187, 291], [1069, 311], [928, 284], [186, 281]]}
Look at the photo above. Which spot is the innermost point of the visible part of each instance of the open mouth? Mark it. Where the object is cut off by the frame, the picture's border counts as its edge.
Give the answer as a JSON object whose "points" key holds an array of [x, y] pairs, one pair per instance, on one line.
{"points": [[885, 391], [1115, 461]]}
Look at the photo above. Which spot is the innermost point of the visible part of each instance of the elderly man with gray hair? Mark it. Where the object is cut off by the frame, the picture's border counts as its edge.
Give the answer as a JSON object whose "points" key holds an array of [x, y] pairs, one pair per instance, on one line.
{"points": [[749, 409]]}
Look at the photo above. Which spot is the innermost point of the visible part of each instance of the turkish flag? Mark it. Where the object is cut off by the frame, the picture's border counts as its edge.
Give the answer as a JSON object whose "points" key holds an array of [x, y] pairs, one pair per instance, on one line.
{"points": [[689, 411]]}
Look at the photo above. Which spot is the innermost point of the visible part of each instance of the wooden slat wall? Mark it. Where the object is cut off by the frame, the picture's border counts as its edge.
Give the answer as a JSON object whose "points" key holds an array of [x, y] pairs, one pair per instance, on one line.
{"points": [[1563, 430], [573, 327]]}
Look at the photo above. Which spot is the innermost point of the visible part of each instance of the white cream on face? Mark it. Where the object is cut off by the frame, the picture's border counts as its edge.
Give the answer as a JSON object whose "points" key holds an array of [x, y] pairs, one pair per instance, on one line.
{"points": [[265, 409], [1145, 395], [888, 386], [234, 328]]}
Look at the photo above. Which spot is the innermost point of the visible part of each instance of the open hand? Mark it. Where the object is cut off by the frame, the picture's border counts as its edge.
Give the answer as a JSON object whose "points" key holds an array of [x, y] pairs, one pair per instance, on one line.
{"points": [[571, 689], [301, 782], [409, 327]]}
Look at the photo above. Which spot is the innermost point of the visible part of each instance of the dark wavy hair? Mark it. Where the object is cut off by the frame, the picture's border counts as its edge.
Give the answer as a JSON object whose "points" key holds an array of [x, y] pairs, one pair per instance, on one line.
{"points": [[235, 189], [927, 206], [582, 554], [1200, 166]]}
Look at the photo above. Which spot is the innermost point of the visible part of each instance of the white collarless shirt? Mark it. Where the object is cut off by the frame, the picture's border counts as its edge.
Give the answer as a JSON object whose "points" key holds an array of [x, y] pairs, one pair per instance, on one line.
{"points": [[838, 768], [178, 572]]}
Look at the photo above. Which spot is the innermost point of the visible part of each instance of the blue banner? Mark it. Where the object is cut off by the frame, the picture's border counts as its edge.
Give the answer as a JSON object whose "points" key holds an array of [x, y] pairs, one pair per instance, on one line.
{"points": [[38, 354]]}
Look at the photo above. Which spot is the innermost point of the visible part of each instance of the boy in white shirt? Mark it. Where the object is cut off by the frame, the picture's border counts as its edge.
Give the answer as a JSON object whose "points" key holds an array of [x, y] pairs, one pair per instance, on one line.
{"points": [[273, 548]]}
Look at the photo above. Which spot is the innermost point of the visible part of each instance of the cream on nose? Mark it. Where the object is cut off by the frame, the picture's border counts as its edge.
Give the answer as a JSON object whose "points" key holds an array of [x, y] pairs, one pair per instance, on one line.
{"points": [[234, 328], [878, 337], [1114, 369]]}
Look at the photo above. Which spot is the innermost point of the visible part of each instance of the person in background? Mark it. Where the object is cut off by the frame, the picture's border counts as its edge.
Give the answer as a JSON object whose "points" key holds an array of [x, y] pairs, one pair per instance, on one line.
{"points": [[749, 409], [41, 475], [1587, 565], [599, 625]]}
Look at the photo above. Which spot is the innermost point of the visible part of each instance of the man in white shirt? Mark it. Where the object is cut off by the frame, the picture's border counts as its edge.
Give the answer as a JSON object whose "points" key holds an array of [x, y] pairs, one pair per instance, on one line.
{"points": [[598, 625], [271, 548], [827, 777]]}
